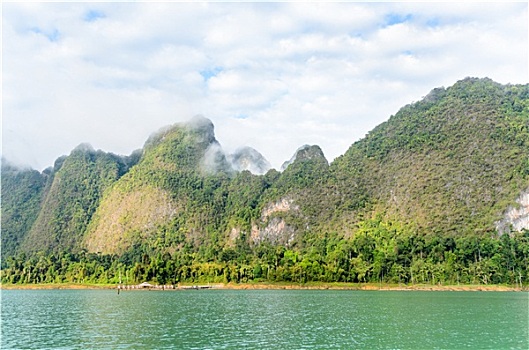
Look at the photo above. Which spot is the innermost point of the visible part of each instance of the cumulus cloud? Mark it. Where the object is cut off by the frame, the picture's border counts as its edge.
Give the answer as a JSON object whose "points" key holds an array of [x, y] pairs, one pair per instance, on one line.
{"points": [[272, 76]]}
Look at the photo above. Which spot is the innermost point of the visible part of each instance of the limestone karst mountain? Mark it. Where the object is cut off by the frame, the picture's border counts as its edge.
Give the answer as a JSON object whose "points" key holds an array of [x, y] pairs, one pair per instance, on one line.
{"points": [[454, 163]]}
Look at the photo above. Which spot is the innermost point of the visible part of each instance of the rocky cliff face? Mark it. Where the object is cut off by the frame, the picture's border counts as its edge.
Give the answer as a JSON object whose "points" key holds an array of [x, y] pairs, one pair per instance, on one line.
{"points": [[273, 227], [516, 217]]}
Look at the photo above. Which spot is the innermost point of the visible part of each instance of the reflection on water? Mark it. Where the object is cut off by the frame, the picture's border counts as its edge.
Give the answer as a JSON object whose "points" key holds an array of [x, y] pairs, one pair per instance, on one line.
{"points": [[263, 319]]}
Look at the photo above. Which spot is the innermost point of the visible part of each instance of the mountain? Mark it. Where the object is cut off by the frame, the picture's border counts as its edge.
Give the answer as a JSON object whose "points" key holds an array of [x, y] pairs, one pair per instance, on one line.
{"points": [[305, 152], [74, 189], [171, 190], [442, 185], [22, 194], [452, 162], [247, 158]]}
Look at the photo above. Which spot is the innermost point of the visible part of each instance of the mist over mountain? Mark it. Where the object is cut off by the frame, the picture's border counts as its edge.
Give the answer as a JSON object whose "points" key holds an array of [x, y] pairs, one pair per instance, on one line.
{"points": [[441, 173], [247, 158]]}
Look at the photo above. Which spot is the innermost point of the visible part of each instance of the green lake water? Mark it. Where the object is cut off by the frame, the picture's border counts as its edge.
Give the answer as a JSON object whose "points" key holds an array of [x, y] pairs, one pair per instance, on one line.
{"points": [[263, 319]]}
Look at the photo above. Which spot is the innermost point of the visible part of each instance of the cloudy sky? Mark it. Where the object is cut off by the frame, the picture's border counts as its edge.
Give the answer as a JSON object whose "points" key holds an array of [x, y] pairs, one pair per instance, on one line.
{"points": [[273, 76]]}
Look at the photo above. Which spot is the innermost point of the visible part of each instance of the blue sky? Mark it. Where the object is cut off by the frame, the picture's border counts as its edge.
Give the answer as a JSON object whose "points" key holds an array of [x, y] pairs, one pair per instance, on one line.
{"points": [[273, 76]]}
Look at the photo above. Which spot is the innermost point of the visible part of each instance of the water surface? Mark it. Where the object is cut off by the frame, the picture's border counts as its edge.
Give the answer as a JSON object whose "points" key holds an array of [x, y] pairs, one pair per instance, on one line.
{"points": [[263, 319]]}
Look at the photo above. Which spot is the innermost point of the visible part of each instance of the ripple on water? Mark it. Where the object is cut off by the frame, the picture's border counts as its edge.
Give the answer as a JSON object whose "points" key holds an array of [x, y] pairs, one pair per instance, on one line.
{"points": [[223, 319]]}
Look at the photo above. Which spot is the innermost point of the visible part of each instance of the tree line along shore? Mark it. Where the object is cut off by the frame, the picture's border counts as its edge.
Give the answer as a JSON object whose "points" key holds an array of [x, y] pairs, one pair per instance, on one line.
{"points": [[273, 286], [380, 254]]}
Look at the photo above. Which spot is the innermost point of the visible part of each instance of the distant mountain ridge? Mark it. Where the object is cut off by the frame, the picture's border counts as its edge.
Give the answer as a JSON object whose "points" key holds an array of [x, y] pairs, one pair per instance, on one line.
{"points": [[454, 163]]}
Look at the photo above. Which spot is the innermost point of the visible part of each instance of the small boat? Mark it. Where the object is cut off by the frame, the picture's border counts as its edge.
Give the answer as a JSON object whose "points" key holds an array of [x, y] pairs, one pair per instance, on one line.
{"points": [[145, 285]]}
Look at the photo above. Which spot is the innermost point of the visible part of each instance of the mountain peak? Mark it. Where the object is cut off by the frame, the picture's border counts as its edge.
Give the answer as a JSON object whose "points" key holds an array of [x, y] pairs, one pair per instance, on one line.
{"points": [[247, 158], [200, 122], [203, 128], [84, 147], [304, 153]]}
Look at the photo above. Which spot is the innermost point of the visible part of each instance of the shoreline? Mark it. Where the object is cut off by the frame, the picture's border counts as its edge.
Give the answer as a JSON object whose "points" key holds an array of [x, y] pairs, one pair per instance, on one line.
{"points": [[376, 287], [280, 286]]}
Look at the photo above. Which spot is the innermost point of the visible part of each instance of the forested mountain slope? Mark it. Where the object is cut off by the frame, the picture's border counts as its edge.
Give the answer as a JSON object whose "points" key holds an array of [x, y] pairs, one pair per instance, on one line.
{"points": [[22, 194], [452, 162], [171, 195], [75, 186], [424, 196]]}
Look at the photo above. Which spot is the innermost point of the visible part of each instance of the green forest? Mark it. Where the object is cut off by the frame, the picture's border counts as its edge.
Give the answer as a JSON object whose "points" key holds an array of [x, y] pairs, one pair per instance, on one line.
{"points": [[379, 253], [431, 196]]}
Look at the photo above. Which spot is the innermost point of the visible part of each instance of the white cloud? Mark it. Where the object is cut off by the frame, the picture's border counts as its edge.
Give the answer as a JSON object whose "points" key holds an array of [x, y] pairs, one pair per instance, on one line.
{"points": [[273, 76]]}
